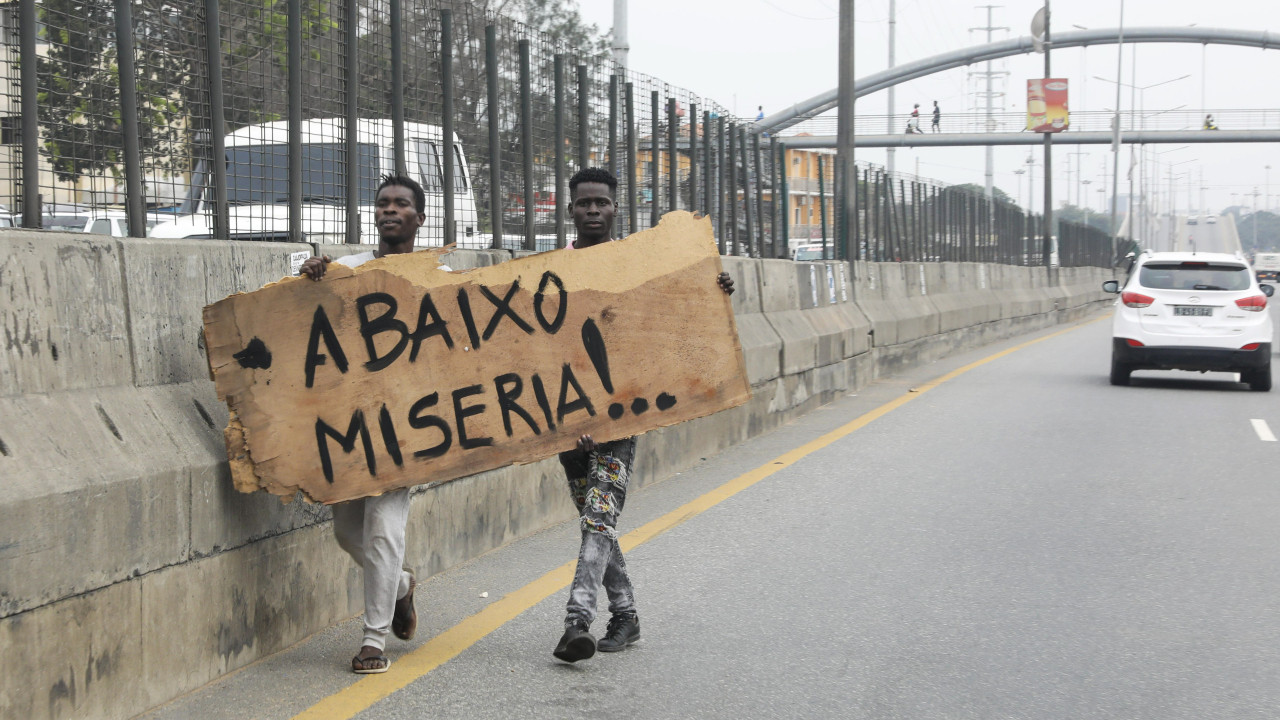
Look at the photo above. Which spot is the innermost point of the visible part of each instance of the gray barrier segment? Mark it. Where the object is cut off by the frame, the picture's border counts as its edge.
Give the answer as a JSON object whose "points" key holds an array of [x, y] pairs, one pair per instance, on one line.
{"points": [[168, 284], [780, 299], [63, 313], [761, 345], [151, 576]]}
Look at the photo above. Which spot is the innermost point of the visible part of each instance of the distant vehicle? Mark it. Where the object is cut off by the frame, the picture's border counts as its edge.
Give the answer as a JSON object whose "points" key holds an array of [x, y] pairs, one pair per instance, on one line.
{"points": [[1267, 266], [1193, 219], [1211, 219], [544, 210], [1192, 311], [812, 252], [114, 223], [258, 190]]}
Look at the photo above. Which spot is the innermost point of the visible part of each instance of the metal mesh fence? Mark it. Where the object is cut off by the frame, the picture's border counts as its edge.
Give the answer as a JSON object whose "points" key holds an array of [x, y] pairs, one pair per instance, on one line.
{"points": [[905, 218], [251, 141]]}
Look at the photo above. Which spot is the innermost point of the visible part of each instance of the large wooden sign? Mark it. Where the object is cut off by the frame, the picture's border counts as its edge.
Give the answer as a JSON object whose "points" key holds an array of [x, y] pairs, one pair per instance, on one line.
{"points": [[398, 373]]}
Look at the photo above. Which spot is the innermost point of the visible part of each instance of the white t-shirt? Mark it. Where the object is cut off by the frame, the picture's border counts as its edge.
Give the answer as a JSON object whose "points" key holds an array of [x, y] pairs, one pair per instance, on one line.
{"points": [[359, 259]]}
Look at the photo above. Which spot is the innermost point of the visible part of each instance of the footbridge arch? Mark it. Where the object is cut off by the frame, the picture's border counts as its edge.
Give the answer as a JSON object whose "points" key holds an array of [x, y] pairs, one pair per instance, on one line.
{"points": [[818, 104]]}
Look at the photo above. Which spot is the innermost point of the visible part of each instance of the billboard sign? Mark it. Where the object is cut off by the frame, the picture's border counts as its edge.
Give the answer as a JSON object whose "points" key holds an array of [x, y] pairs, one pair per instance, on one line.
{"points": [[1047, 105]]}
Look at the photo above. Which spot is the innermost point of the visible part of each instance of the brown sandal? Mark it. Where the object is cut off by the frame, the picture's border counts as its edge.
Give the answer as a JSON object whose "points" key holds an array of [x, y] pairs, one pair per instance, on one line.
{"points": [[358, 665]]}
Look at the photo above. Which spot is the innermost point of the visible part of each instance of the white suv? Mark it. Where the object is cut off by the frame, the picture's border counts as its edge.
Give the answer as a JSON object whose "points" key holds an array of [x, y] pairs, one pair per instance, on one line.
{"points": [[1191, 311]]}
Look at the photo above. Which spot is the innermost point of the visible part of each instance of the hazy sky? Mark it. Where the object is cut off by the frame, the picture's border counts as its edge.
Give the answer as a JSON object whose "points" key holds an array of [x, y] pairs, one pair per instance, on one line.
{"points": [[776, 53]]}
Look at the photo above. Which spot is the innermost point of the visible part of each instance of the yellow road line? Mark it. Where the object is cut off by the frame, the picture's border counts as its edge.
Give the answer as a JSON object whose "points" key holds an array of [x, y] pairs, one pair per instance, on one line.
{"points": [[358, 696]]}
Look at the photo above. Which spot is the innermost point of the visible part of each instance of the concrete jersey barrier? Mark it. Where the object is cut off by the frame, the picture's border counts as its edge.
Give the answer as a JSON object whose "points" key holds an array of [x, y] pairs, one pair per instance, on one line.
{"points": [[121, 531]]}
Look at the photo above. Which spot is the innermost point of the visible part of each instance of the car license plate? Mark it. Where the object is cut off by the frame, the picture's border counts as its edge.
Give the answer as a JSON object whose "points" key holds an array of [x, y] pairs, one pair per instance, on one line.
{"points": [[1193, 310]]}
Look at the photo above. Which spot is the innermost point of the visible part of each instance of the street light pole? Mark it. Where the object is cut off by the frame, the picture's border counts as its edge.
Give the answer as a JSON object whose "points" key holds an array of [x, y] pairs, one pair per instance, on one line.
{"points": [[620, 45], [893, 25], [1266, 199], [1115, 145], [1137, 100], [1254, 217], [847, 176], [1048, 152]]}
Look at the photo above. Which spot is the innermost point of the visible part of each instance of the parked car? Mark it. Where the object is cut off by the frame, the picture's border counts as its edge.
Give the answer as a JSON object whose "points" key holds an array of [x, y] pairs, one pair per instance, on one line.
{"points": [[1192, 311], [98, 222], [813, 252], [1194, 219], [1211, 219]]}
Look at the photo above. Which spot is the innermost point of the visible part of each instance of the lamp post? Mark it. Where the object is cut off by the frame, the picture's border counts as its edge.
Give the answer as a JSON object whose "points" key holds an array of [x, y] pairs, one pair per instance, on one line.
{"points": [[1266, 199], [1031, 184], [1155, 159], [1020, 172], [1254, 217], [1142, 102], [1079, 172], [1173, 198]]}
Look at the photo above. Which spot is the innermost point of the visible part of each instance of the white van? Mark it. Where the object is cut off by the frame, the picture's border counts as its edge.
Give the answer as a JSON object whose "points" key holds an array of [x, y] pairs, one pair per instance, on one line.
{"points": [[258, 189], [1266, 266]]}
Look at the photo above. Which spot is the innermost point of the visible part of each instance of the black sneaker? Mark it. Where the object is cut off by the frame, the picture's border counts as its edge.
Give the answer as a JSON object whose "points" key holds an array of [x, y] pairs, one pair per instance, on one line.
{"points": [[624, 629], [576, 644]]}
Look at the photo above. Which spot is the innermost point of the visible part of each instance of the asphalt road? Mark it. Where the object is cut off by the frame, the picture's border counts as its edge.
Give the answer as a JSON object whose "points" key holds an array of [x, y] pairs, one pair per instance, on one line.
{"points": [[1022, 540], [1219, 236]]}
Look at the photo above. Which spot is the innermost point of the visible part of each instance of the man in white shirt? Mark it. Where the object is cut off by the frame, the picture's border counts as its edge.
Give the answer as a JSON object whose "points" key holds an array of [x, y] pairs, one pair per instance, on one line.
{"points": [[372, 530]]}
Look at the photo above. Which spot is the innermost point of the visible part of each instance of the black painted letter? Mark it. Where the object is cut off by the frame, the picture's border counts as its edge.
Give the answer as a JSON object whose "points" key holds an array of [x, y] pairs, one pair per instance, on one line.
{"points": [[389, 439], [507, 401], [503, 307], [321, 327], [346, 442], [460, 415], [567, 378], [562, 307], [385, 322], [418, 421], [426, 309]]}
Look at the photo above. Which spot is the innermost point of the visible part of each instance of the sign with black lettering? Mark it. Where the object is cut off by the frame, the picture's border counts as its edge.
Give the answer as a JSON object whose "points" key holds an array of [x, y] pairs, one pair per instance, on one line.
{"points": [[398, 373]]}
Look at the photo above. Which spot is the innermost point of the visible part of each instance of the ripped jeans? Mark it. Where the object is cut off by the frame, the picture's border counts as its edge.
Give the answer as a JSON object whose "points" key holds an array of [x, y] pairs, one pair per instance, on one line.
{"points": [[598, 485]]}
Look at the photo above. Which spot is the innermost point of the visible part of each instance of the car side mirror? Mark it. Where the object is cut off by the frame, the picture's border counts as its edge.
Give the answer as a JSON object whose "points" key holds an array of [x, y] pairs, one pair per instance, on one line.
{"points": [[1111, 286], [1268, 290]]}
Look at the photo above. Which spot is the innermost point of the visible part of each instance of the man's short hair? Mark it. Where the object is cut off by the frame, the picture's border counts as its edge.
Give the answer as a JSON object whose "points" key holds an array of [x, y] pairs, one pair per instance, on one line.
{"points": [[594, 175], [419, 197]]}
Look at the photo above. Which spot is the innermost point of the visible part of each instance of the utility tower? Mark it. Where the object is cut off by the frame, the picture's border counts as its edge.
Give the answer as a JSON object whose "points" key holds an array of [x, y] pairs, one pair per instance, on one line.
{"points": [[990, 95]]}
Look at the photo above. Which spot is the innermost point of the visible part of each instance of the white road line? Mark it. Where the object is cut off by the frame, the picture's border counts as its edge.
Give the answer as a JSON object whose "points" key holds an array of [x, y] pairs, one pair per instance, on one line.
{"points": [[1264, 432]]}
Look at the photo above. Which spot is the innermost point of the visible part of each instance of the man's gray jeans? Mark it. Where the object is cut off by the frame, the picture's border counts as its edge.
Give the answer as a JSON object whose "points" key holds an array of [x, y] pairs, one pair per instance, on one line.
{"points": [[598, 485]]}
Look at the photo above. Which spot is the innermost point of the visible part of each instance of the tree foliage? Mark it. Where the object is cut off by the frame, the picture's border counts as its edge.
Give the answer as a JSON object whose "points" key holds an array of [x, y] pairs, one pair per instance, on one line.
{"points": [[1084, 216], [79, 100], [80, 111], [1266, 225], [997, 193]]}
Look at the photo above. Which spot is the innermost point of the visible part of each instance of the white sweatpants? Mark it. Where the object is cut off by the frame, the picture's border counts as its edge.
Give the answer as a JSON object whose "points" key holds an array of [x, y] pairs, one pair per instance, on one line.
{"points": [[372, 530]]}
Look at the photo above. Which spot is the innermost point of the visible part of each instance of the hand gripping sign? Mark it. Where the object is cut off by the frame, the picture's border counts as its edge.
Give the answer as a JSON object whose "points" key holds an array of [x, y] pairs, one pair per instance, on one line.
{"points": [[397, 373]]}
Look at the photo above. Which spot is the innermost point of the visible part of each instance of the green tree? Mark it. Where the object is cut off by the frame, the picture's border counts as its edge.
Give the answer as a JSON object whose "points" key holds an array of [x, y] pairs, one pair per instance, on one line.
{"points": [[1267, 231], [997, 193], [1083, 216], [79, 101]]}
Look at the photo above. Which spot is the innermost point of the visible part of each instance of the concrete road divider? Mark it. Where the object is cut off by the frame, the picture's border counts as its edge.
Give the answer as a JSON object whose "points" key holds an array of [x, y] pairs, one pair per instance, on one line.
{"points": [[136, 571]]}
